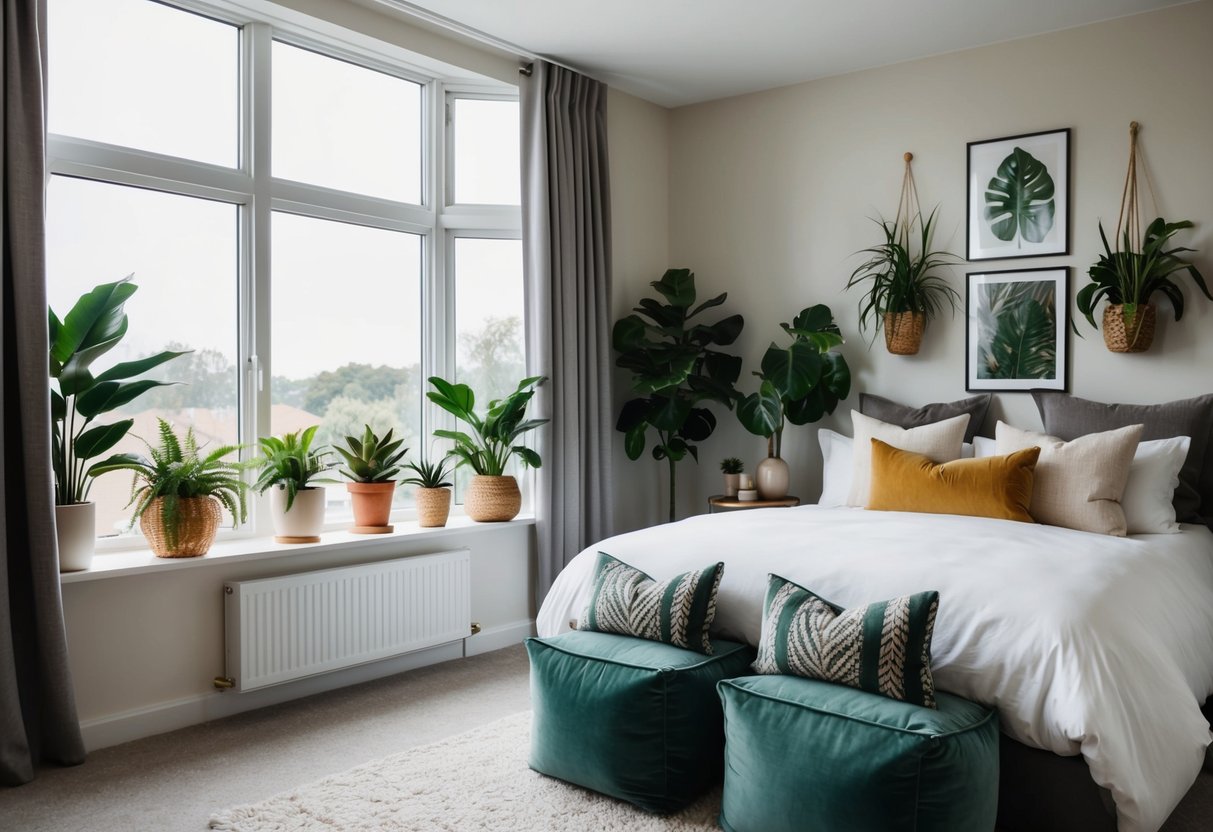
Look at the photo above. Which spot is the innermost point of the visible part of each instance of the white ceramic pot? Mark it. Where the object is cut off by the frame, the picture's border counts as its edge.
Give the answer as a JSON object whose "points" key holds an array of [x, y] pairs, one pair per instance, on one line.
{"points": [[302, 524], [772, 477], [76, 528]]}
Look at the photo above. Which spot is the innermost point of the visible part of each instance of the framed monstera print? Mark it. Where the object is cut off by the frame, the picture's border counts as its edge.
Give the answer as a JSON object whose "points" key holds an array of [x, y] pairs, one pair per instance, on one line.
{"points": [[1019, 196]]}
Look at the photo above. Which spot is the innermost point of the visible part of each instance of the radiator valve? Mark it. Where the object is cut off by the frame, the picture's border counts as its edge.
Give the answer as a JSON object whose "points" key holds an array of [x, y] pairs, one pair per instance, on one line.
{"points": [[224, 682], [475, 627]]}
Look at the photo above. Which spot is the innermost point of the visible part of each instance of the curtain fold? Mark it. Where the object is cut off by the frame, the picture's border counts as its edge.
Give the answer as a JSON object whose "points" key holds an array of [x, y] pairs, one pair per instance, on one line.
{"points": [[567, 258], [37, 706]]}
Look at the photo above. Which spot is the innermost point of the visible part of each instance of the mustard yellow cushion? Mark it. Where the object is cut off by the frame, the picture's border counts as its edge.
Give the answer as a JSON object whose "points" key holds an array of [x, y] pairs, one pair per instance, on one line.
{"points": [[993, 486]]}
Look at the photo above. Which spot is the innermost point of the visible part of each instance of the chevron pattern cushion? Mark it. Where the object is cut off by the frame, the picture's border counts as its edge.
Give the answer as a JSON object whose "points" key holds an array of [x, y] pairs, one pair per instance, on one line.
{"points": [[882, 648], [678, 611]]}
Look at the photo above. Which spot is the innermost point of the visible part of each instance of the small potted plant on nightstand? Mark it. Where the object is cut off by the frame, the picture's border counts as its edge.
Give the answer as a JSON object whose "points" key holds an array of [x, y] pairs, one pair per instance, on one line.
{"points": [[731, 467], [433, 494], [289, 470], [371, 466]]}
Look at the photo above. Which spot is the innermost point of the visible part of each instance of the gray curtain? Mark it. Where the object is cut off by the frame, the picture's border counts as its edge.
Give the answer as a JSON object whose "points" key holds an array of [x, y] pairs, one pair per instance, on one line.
{"points": [[37, 707], [567, 254]]}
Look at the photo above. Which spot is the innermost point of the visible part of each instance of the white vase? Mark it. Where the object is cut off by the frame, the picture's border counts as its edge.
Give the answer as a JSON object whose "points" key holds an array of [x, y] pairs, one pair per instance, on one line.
{"points": [[76, 529], [771, 476], [302, 524]]}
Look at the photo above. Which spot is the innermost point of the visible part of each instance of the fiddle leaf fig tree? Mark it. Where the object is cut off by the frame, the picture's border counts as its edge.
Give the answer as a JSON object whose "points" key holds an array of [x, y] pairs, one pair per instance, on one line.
{"points": [[801, 382], [675, 370]]}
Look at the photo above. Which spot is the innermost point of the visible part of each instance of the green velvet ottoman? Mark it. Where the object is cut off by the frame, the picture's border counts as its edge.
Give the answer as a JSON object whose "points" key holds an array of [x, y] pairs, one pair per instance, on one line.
{"points": [[635, 719], [802, 755]]}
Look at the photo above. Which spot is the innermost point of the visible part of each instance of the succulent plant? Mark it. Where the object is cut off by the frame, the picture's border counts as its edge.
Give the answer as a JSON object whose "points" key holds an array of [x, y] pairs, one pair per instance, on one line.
{"points": [[371, 458]]}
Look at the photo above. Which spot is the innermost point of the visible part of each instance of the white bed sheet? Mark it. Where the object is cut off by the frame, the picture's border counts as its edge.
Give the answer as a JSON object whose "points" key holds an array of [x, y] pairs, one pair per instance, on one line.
{"points": [[1085, 643]]}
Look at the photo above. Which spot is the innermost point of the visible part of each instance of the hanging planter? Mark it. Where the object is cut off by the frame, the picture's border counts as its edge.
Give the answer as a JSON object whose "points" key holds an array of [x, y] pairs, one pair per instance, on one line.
{"points": [[903, 332], [1141, 266]]}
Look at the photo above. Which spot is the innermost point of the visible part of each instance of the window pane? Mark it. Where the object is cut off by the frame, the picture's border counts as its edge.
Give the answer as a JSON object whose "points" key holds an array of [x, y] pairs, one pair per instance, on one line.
{"points": [[345, 127], [143, 75], [346, 335], [183, 253], [487, 166]]}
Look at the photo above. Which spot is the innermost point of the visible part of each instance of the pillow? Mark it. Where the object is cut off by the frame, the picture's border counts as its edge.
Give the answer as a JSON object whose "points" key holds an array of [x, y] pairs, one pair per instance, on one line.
{"points": [[882, 648], [997, 486], [1069, 417], [940, 441], [905, 416], [836, 467], [1153, 477], [984, 446], [679, 611], [1078, 484]]}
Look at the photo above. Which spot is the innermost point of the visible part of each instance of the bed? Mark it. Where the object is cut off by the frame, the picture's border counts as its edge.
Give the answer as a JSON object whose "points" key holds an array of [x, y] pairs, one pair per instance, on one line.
{"points": [[1087, 644]]}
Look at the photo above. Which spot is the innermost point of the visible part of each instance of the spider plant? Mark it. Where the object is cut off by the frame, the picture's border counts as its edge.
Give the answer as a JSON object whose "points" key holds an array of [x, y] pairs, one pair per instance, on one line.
{"points": [[900, 280], [290, 463], [429, 474], [1131, 277], [371, 458], [176, 470]]}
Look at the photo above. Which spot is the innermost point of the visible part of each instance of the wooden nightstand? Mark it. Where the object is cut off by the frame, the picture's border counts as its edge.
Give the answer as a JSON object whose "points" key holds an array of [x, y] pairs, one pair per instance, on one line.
{"points": [[722, 503]]}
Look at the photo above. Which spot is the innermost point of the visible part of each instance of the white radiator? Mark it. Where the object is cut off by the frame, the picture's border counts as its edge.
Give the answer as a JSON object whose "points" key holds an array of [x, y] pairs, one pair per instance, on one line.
{"points": [[286, 628]]}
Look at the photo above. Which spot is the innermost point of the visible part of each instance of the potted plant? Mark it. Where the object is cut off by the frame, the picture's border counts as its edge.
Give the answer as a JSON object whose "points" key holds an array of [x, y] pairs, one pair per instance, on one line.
{"points": [[731, 467], [493, 495], [1127, 279], [801, 383], [371, 465], [433, 494], [903, 292], [675, 370], [288, 470], [179, 495], [94, 326]]}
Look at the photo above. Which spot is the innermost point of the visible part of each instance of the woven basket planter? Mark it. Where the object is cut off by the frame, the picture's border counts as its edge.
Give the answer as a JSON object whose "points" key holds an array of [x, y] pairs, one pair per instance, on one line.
{"points": [[492, 499], [903, 332], [198, 520], [433, 506], [1134, 335]]}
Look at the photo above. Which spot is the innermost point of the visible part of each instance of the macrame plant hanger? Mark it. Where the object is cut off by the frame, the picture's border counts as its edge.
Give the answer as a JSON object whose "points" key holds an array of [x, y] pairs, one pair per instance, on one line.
{"points": [[907, 204], [903, 330], [1135, 330], [1129, 218]]}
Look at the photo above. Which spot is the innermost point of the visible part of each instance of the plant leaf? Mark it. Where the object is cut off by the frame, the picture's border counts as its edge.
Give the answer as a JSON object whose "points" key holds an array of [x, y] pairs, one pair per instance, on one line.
{"points": [[1019, 199]]}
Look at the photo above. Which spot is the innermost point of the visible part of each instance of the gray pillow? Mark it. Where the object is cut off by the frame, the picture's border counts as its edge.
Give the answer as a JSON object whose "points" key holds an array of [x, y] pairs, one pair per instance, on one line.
{"points": [[1069, 417], [905, 416]]}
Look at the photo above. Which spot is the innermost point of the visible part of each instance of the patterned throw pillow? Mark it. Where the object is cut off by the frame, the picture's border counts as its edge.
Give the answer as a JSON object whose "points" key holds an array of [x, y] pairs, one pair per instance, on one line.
{"points": [[882, 648], [679, 611]]}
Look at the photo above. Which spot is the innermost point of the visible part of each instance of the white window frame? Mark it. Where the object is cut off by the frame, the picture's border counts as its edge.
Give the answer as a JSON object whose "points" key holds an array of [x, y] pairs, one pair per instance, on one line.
{"points": [[252, 187]]}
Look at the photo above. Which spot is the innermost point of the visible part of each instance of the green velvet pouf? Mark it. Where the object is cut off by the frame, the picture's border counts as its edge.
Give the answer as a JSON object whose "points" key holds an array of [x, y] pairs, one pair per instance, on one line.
{"points": [[803, 755], [638, 720]]}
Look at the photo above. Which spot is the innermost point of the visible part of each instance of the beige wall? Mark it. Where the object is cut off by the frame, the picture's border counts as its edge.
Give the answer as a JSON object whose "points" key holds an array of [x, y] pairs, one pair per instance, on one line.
{"points": [[770, 194]]}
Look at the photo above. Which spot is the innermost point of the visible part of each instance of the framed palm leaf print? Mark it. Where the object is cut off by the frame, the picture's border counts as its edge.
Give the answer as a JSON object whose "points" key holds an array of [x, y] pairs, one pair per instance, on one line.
{"points": [[1018, 198], [1015, 330]]}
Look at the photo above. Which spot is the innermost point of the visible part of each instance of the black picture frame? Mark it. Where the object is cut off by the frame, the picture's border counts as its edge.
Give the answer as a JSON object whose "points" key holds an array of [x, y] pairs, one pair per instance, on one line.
{"points": [[999, 304]]}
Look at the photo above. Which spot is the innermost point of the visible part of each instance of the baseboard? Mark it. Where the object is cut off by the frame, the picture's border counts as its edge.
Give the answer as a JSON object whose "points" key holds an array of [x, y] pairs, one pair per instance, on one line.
{"points": [[495, 638]]}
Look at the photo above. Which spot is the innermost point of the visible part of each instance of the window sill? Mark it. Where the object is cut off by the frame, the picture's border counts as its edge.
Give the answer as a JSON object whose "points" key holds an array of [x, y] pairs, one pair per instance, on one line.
{"points": [[142, 561]]}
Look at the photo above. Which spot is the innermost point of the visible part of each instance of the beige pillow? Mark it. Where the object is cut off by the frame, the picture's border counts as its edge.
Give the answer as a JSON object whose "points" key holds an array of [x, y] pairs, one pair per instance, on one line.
{"points": [[939, 441], [1079, 484]]}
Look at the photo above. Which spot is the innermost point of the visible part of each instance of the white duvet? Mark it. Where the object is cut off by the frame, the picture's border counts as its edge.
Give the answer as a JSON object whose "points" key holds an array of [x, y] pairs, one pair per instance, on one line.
{"points": [[1086, 644]]}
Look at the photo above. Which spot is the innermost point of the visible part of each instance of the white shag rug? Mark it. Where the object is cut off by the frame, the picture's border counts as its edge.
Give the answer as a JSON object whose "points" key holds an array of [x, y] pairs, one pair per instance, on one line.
{"points": [[475, 781]]}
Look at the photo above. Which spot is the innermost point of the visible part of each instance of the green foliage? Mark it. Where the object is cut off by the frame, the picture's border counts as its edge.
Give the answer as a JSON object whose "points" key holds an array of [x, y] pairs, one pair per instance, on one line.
{"points": [[1018, 329], [899, 280], [176, 470], [1132, 277], [94, 326], [492, 359], [802, 382], [674, 370], [493, 444], [209, 381], [429, 474], [731, 465], [289, 462], [370, 458], [1019, 199], [356, 381]]}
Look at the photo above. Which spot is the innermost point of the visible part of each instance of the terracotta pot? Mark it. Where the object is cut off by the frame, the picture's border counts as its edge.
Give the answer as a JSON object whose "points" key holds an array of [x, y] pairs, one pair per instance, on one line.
{"points": [[732, 483], [302, 524], [433, 506], [372, 506], [903, 332], [772, 477], [1133, 335], [492, 499], [197, 524], [76, 530]]}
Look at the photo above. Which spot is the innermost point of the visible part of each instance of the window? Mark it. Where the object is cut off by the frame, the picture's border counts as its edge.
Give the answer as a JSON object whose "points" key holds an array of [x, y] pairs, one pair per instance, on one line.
{"points": [[319, 276]]}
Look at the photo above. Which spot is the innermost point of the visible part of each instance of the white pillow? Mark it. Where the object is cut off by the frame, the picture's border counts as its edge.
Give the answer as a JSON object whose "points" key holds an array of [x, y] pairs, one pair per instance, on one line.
{"points": [[1153, 478], [938, 441], [984, 446], [837, 470]]}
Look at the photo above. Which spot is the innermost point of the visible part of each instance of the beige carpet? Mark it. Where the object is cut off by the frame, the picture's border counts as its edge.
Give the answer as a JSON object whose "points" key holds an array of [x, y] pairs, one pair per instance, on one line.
{"points": [[478, 780]]}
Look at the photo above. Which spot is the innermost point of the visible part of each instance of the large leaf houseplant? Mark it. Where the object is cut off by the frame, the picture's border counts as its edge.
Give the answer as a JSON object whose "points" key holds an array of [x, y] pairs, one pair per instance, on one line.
{"points": [[95, 324], [495, 439], [676, 370], [800, 383], [290, 469]]}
